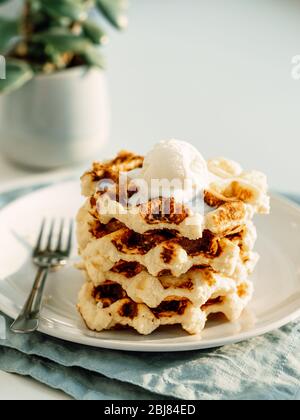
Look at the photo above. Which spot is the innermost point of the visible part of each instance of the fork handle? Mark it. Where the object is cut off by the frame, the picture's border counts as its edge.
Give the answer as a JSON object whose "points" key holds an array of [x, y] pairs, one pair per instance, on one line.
{"points": [[28, 320]]}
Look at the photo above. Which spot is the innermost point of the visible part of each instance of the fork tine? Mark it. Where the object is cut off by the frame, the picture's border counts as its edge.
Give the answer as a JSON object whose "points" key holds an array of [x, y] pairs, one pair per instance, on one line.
{"points": [[50, 236], [40, 237], [60, 236], [70, 238]]}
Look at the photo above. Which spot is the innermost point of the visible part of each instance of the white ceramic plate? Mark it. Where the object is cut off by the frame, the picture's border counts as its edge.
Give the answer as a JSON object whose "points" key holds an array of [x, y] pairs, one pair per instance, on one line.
{"points": [[277, 278]]}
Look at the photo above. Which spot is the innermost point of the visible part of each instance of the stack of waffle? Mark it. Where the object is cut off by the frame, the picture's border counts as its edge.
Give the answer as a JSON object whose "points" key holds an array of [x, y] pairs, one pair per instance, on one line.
{"points": [[145, 268]]}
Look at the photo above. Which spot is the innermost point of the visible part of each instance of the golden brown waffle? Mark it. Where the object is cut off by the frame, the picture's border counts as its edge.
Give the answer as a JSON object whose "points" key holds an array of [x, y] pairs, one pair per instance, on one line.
{"points": [[228, 182], [224, 221], [161, 262], [124, 162], [232, 198], [101, 246], [221, 220], [222, 254], [197, 285], [108, 306]]}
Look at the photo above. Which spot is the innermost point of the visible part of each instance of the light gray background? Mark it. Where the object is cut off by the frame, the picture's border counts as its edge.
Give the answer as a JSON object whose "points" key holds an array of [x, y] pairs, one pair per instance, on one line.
{"points": [[216, 73]]}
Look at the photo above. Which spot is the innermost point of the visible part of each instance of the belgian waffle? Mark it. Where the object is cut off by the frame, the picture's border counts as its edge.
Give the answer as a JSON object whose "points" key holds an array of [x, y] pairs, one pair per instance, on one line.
{"points": [[158, 250], [108, 306], [244, 268], [220, 254], [221, 215], [197, 285], [225, 218], [146, 267], [228, 182], [124, 162]]}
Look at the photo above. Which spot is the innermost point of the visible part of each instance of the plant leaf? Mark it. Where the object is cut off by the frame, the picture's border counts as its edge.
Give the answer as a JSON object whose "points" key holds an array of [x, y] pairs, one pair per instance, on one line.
{"points": [[3, 1], [93, 57], [62, 41], [58, 42], [114, 11], [72, 9], [8, 30], [17, 74], [93, 31]]}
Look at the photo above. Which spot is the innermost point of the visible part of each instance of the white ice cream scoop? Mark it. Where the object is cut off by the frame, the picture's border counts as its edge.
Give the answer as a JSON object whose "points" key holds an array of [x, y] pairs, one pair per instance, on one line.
{"points": [[178, 162], [175, 159]]}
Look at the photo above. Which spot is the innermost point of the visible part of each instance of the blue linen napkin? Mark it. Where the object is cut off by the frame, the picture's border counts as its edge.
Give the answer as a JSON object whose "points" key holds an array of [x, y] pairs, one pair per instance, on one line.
{"points": [[266, 367]]}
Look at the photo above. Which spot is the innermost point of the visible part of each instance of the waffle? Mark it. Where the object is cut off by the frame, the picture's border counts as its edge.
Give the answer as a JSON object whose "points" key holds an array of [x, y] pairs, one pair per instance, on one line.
{"points": [[245, 266], [219, 254], [108, 306], [228, 182], [197, 285], [161, 262], [224, 219], [88, 219], [231, 182], [159, 250], [231, 200], [124, 162], [104, 245]]}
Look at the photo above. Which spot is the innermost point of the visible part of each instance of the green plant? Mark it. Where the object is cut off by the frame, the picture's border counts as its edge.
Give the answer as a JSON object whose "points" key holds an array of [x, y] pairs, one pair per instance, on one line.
{"points": [[51, 35]]}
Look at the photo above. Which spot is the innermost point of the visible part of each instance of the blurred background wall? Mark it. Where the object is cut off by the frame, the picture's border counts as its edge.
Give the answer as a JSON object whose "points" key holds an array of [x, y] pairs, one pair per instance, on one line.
{"points": [[216, 73]]}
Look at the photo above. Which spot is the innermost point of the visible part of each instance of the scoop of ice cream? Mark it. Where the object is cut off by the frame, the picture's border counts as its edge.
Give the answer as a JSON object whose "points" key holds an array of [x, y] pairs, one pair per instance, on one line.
{"points": [[175, 160], [172, 168]]}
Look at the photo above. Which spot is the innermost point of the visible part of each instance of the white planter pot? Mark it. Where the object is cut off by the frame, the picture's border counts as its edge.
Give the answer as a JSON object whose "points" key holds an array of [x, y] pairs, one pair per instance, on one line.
{"points": [[56, 120]]}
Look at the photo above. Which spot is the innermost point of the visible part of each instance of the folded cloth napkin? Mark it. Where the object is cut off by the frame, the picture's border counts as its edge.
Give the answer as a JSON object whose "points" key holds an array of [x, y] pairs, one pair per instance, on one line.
{"points": [[266, 367]]}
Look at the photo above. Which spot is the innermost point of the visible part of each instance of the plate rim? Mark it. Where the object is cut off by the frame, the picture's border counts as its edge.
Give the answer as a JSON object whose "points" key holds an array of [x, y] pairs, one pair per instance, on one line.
{"points": [[138, 346], [152, 346]]}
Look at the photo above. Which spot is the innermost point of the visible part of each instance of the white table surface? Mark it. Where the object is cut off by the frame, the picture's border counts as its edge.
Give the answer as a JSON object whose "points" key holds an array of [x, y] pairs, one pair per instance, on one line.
{"points": [[216, 73], [17, 387]]}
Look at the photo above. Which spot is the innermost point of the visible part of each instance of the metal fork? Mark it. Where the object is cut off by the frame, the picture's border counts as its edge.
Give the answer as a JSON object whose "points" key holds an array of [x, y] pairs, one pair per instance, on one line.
{"points": [[46, 259]]}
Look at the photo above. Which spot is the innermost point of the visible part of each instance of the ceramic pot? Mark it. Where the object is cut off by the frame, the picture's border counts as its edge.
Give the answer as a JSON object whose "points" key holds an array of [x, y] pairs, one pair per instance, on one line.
{"points": [[56, 120]]}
